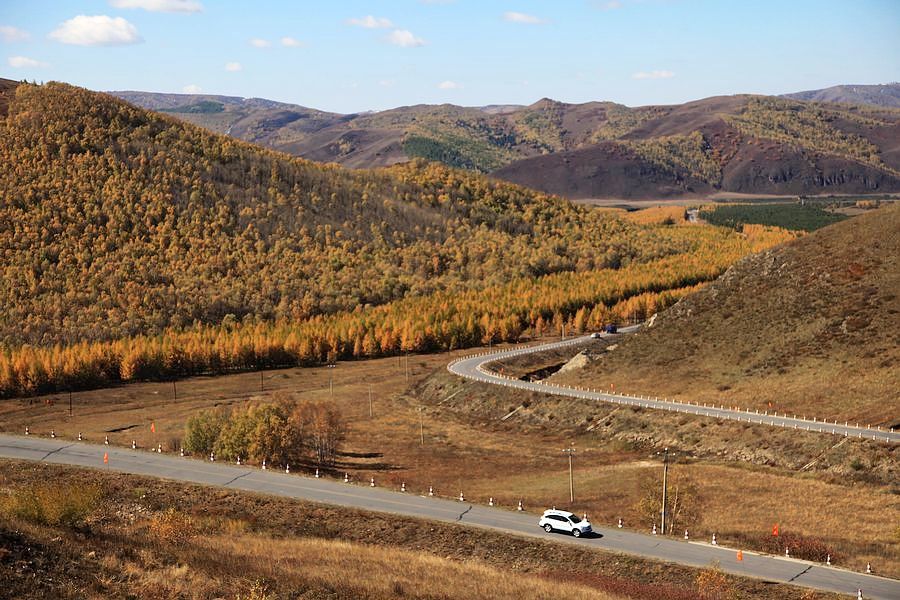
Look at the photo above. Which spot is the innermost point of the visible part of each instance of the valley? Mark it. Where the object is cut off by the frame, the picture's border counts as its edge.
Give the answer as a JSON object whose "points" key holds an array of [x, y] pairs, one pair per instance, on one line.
{"points": [[254, 350]]}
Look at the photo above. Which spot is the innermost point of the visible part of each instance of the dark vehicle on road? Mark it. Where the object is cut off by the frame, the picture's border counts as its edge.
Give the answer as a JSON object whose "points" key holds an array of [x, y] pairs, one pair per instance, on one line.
{"points": [[611, 328]]}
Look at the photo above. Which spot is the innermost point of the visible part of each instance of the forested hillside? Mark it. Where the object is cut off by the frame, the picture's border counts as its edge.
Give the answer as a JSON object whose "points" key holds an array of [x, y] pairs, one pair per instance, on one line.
{"points": [[119, 225], [117, 221]]}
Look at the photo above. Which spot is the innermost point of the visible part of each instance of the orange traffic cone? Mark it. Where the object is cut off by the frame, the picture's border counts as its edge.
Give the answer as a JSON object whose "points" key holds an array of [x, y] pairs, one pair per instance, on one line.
{"points": [[106, 458], [740, 555]]}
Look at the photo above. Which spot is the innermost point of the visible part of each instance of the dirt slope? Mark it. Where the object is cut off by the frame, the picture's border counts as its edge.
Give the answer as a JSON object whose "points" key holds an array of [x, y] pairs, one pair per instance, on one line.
{"points": [[809, 327]]}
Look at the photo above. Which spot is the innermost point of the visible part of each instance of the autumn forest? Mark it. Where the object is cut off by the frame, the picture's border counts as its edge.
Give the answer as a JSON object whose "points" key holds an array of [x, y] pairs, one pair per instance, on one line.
{"points": [[136, 247]]}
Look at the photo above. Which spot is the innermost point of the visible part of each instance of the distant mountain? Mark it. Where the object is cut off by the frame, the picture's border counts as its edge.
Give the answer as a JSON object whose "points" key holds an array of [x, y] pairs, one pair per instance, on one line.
{"points": [[887, 95], [745, 144]]}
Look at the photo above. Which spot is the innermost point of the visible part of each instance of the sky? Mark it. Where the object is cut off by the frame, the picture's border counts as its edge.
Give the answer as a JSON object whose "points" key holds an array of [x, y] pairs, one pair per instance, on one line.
{"points": [[357, 55]]}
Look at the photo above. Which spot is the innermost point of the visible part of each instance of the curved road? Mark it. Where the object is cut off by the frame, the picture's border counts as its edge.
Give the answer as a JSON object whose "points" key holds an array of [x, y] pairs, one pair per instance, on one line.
{"points": [[476, 368], [696, 554]]}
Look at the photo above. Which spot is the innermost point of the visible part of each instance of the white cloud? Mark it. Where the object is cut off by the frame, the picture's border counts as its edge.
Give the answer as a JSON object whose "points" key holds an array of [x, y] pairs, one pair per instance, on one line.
{"points": [[233, 67], [23, 62], [404, 39], [517, 17], [449, 85], [653, 75], [370, 22], [99, 30], [12, 34], [610, 5], [182, 6], [387, 83], [192, 89], [292, 42], [259, 43]]}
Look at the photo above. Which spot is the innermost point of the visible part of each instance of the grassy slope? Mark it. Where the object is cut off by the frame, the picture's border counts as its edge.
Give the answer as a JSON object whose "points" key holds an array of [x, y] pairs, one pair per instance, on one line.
{"points": [[287, 548], [808, 327]]}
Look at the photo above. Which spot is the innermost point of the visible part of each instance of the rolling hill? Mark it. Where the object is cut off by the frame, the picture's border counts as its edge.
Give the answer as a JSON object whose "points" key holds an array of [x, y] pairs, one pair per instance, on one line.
{"points": [[137, 246], [809, 326], [741, 144], [117, 221], [887, 95]]}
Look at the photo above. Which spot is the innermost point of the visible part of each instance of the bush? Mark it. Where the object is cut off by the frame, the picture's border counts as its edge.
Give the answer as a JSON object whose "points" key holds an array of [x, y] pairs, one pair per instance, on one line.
{"points": [[713, 584], [171, 527], [806, 548], [55, 505], [202, 430]]}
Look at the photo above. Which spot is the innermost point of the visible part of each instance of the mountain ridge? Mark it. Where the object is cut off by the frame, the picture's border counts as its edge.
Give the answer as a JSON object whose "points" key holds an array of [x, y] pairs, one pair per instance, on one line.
{"points": [[887, 95], [740, 143]]}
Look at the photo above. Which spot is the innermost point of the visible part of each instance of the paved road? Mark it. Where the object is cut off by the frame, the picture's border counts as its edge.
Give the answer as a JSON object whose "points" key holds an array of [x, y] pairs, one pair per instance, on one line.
{"points": [[377, 499], [476, 367]]}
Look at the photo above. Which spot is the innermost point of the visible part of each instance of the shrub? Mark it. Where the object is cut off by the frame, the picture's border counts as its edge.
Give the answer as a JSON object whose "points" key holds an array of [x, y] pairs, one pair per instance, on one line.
{"points": [[171, 527], [202, 430], [51, 504], [800, 546], [713, 584]]}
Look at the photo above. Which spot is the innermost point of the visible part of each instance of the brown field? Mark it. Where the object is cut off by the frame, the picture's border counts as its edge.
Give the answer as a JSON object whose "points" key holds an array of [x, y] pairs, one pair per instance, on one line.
{"points": [[161, 539], [467, 448]]}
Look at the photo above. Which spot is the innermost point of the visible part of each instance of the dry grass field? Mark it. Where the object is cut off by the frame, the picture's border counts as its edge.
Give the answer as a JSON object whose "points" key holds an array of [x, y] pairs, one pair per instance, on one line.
{"points": [[807, 328], [468, 448]]}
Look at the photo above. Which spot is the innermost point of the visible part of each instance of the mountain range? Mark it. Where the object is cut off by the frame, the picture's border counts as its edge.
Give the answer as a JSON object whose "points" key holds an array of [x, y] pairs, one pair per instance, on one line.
{"points": [[742, 144], [877, 95]]}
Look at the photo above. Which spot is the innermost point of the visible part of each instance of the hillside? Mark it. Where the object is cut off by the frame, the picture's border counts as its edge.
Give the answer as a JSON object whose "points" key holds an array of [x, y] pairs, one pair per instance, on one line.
{"points": [[137, 246], [119, 222], [742, 144], [808, 327], [887, 95]]}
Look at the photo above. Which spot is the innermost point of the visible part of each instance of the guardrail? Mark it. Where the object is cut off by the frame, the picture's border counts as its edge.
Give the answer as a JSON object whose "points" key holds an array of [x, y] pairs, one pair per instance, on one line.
{"points": [[483, 374]]}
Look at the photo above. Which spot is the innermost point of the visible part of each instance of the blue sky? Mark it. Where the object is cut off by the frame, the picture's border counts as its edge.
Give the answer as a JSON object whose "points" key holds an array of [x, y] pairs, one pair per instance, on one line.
{"points": [[354, 55]]}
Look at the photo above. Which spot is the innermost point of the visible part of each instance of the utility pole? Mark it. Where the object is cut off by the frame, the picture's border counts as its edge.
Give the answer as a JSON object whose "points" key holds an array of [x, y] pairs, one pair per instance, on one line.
{"points": [[665, 488], [70, 403], [571, 452], [370, 400], [422, 425], [407, 366], [175, 390]]}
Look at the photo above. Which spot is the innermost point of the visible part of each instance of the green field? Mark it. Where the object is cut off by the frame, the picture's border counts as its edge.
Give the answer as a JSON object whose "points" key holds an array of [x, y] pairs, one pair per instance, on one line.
{"points": [[788, 216]]}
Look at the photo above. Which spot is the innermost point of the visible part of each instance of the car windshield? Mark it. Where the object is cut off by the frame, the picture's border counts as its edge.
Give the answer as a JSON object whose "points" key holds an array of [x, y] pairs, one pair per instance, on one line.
{"points": [[574, 519]]}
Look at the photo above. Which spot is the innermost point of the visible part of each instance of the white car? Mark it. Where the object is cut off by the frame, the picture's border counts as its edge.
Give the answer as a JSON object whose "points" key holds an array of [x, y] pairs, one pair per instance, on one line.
{"points": [[561, 520]]}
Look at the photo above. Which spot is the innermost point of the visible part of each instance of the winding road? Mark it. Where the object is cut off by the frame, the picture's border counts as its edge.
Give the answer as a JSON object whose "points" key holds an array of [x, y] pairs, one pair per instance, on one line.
{"points": [[476, 368], [691, 553], [697, 554]]}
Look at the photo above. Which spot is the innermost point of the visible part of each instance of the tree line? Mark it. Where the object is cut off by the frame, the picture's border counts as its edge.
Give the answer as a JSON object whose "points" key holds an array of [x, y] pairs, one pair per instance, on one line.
{"points": [[441, 321]]}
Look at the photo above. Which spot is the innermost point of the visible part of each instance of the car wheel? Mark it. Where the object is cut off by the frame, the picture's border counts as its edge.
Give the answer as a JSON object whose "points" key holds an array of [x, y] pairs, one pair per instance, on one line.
{"points": [[548, 527], [576, 532]]}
